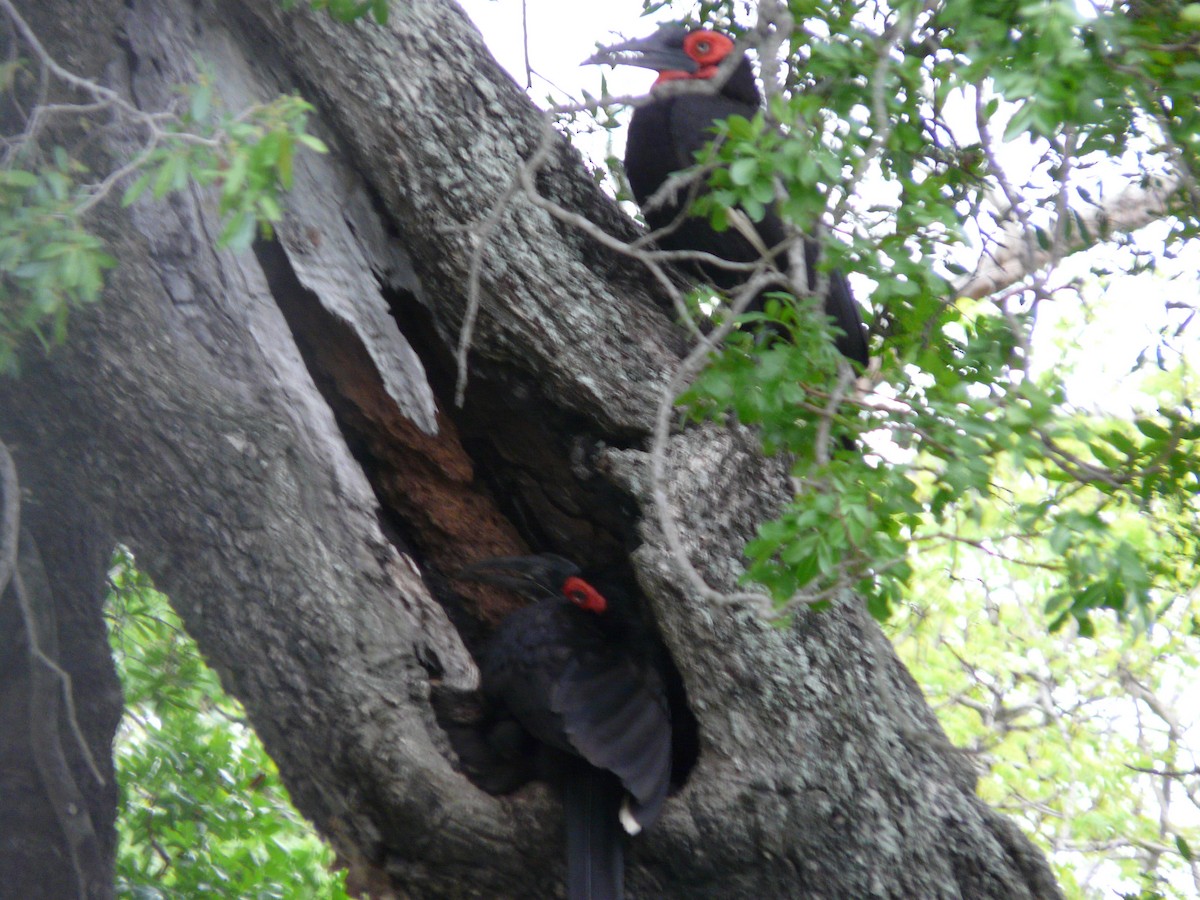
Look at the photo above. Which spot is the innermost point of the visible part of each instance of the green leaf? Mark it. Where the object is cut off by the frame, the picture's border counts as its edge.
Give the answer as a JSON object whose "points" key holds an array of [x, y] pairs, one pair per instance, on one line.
{"points": [[18, 178], [165, 179], [283, 164], [235, 177], [743, 171], [312, 142], [201, 102], [1152, 429], [1182, 845], [238, 232], [136, 189], [269, 208]]}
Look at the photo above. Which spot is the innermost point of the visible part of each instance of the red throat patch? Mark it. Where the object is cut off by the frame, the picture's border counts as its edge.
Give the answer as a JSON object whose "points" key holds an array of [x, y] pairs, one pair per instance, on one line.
{"points": [[584, 595], [676, 75]]}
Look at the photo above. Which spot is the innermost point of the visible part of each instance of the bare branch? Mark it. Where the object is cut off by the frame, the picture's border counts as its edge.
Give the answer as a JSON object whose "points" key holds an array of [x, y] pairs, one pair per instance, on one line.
{"points": [[1014, 258], [667, 520], [484, 234]]}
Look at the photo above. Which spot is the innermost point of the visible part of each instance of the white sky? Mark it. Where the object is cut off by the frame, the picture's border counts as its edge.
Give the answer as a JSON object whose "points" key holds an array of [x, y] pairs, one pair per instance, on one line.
{"points": [[561, 36]]}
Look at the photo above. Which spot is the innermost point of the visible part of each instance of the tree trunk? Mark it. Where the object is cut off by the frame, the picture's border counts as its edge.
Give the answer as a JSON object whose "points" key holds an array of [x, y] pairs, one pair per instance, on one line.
{"points": [[274, 435]]}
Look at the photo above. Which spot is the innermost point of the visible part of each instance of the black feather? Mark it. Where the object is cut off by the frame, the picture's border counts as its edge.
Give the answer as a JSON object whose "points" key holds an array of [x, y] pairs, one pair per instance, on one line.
{"points": [[587, 686], [664, 137], [595, 841]]}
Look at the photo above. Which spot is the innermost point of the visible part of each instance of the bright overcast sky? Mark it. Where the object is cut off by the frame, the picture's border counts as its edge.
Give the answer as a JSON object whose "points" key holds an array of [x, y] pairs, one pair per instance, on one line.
{"points": [[561, 37]]}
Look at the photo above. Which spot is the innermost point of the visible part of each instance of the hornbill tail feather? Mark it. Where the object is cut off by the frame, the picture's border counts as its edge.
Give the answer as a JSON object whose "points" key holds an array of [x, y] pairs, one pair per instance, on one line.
{"points": [[595, 850]]}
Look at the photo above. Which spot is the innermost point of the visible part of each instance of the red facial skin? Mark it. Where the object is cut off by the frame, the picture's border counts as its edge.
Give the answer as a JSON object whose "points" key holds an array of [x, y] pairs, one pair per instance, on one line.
{"points": [[707, 48], [584, 595]]}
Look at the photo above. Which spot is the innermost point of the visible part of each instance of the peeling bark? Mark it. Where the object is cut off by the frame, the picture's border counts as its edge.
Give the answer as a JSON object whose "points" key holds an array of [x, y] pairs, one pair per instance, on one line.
{"points": [[271, 433]]}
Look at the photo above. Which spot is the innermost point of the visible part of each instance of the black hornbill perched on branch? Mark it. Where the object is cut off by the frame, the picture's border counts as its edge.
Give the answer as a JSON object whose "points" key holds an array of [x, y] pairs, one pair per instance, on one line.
{"points": [[666, 133], [583, 677]]}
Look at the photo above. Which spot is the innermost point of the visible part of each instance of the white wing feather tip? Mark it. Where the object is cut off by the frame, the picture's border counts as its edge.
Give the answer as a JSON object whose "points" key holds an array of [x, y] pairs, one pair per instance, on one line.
{"points": [[628, 821]]}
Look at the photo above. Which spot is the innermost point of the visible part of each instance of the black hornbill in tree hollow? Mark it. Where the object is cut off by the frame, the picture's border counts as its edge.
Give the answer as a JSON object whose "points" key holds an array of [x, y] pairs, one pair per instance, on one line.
{"points": [[583, 677], [664, 137]]}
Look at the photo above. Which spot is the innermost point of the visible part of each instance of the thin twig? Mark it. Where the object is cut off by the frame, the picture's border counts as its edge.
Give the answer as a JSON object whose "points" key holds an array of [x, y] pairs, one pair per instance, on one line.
{"points": [[525, 44], [684, 372], [84, 84], [471, 313], [845, 380]]}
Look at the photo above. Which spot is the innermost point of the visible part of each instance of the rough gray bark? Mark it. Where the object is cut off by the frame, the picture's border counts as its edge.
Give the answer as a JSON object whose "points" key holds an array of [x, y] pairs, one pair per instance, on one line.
{"points": [[57, 786], [272, 436]]}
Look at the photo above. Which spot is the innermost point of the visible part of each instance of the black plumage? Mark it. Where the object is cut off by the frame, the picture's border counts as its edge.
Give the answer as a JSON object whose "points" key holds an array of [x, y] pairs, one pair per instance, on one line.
{"points": [[577, 672], [664, 136]]}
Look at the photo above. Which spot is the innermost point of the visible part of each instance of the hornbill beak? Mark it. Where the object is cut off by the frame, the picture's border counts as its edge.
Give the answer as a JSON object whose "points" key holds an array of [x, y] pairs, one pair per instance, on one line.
{"points": [[661, 51], [530, 576]]}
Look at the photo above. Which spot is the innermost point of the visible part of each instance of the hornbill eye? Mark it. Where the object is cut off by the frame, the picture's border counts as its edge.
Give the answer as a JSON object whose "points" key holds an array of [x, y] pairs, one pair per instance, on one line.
{"points": [[584, 595], [702, 47]]}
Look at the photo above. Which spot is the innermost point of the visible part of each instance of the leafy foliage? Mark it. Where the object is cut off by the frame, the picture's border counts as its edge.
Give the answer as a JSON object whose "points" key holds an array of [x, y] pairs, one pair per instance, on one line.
{"points": [[898, 126], [50, 260], [49, 263], [248, 157], [202, 810], [1085, 742]]}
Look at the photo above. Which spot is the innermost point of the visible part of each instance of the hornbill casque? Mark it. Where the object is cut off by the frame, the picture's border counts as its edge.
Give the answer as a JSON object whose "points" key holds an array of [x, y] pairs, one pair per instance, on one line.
{"points": [[579, 672], [664, 137]]}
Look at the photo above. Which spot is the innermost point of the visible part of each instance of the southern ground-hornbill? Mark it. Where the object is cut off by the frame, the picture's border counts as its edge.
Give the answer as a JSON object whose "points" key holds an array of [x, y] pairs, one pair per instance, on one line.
{"points": [[664, 137], [581, 674]]}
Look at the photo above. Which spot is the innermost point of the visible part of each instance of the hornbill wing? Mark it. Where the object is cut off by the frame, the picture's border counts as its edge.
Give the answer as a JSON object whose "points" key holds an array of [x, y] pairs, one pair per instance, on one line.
{"points": [[523, 663], [615, 715], [691, 128], [693, 123], [841, 307], [664, 138]]}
